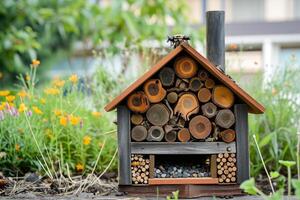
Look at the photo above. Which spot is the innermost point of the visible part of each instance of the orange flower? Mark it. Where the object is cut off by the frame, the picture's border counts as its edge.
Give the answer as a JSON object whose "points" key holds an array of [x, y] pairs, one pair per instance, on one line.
{"points": [[4, 93], [52, 91], [17, 147], [96, 114], [63, 121], [73, 78], [35, 63], [74, 120], [22, 94], [79, 167], [22, 108], [58, 83], [10, 98], [57, 113], [86, 140], [37, 110]]}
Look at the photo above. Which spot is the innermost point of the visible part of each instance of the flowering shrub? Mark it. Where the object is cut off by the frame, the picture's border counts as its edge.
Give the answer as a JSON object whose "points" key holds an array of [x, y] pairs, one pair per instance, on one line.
{"points": [[56, 128]]}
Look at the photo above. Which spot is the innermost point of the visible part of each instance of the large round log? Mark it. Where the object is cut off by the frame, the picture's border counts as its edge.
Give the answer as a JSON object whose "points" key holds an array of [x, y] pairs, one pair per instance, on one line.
{"points": [[154, 90], [202, 74], [167, 76], [225, 118], [209, 83], [155, 133], [222, 96], [171, 136], [187, 105], [195, 84], [184, 135], [172, 97], [158, 114], [200, 127], [185, 67], [139, 133], [228, 135], [136, 119], [209, 109], [204, 95], [138, 102]]}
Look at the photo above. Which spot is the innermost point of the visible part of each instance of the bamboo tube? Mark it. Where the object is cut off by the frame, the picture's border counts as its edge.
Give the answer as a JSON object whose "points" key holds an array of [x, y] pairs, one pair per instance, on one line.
{"points": [[155, 133]]}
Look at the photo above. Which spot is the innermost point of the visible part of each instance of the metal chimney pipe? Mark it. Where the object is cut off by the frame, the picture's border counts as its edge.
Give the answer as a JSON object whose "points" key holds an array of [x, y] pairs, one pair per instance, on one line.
{"points": [[215, 38]]}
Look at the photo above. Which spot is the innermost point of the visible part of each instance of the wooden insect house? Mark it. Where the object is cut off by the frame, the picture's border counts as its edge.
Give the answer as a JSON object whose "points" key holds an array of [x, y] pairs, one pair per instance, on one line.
{"points": [[183, 125]]}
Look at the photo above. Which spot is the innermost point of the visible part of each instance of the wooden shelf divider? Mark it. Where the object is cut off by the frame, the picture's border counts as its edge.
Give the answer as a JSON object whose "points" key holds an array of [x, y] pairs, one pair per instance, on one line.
{"points": [[183, 181]]}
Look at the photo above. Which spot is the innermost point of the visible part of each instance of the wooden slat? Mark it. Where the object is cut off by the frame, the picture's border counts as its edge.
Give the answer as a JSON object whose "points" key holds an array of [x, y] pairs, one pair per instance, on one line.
{"points": [[152, 166], [182, 148], [254, 106], [213, 166], [242, 148], [123, 118], [182, 181]]}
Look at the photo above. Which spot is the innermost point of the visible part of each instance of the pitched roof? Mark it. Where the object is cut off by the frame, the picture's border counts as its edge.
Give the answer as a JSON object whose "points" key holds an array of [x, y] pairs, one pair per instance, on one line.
{"points": [[253, 106]]}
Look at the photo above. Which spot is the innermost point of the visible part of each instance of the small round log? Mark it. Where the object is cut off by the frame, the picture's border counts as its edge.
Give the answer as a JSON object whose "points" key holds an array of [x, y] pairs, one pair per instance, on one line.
{"points": [[138, 102], [136, 119], [195, 84], [200, 127], [155, 133], [167, 76], [209, 109], [233, 179], [228, 135], [209, 83], [187, 105], [202, 74], [225, 118], [154, 90], [139, 133], [158, 114], [204, 95], [185, 67], [172, 97], [222, 96], [171, 136], [184, 135]]}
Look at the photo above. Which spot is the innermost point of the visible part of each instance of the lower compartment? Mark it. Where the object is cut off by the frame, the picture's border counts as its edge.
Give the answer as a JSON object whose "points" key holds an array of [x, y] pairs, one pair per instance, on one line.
{"points": [[185, 191]]}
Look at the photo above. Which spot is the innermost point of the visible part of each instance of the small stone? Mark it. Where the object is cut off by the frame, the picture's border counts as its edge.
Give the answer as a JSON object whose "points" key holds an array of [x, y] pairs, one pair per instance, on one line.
{"points": [[163, 175], [31, 177]]}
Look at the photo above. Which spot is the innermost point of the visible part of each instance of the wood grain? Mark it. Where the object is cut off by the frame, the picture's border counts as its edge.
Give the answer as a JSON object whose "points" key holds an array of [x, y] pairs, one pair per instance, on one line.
{"points": [[182, 181], [182, 148]]}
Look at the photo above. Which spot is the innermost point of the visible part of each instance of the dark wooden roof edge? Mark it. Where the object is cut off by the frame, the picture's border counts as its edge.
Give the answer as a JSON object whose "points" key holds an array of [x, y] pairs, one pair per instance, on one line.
{"points": [[254, 106]]}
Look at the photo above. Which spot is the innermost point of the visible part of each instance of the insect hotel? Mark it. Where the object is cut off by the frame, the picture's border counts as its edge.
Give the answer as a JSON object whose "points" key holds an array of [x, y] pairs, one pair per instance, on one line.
{"points": [[183, 125]]}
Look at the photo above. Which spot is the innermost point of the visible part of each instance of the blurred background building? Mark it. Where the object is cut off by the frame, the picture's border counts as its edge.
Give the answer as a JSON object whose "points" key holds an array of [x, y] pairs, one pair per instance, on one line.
{"points": [[260, 34]]}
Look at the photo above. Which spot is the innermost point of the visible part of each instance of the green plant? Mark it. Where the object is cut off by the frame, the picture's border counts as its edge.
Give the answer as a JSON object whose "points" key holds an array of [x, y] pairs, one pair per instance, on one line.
{"points": [[288, 165], [175, 196]]}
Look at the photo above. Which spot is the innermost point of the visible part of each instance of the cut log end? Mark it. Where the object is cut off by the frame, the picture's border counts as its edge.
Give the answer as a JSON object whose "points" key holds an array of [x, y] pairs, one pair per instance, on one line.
{"points": [[139, 133], [187, 105], [185, 67], [154, 90], [225, 118], [228, 136], [167, 76], [184, 135], [136, 119], [200, 127], [158, 114], [209, 110], [204, 95], [222, 96], [138, 102]]}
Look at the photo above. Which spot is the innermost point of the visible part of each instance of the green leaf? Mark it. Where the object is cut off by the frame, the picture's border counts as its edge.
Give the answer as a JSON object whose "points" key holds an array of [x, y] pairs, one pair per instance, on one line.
{"points": [[249, 186], [277, 195], [287, 163], [274, 174], [296, 186]]}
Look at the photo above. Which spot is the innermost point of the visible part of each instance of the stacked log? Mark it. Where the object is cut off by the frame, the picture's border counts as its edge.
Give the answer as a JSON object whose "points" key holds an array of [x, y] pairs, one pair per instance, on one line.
{"points": [[226, 167], [140, 169]]}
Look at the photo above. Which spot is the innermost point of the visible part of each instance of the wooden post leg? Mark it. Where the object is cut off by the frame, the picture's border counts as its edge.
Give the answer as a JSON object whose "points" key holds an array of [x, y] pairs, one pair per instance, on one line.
{"points": [[123, 117], [242, 148]]}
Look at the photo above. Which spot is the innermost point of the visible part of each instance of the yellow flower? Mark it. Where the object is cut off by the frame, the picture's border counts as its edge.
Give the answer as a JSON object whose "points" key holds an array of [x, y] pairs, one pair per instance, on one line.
{"points": [[63, 121], [2, 106], [86, 140], [4, 93], [27, 78], [10, 98], [37, 110], [43, 101], [79, 167], [57, 113], [35, 62], [51, 91], [96, 114], [73, 78], [74, 120], [58, 83], [17, 147], [22, 94], [22, 108]]}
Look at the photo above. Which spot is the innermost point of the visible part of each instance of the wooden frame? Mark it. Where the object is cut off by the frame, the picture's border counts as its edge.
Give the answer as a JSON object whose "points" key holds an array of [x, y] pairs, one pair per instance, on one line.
{"points": [[182, 148], [183, 181]]}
